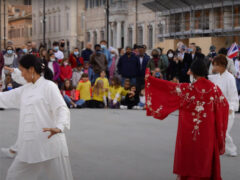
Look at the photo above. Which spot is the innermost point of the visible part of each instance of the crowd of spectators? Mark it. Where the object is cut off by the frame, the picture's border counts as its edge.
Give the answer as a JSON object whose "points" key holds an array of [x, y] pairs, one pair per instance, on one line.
{"points": [[102, 77]]}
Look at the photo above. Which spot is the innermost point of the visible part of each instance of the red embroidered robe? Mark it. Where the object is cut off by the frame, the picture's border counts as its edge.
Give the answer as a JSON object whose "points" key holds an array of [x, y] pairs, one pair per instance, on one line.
{"points": [[203, 118]]}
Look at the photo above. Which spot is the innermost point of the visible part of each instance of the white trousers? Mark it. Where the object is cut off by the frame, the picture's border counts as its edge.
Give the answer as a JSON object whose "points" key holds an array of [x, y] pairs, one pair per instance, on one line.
{"points": [[55, 169], [230, 146]]}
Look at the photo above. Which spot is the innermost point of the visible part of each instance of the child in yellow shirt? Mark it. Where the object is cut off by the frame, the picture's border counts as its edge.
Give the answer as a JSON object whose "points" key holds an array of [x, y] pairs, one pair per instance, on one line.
{"points": [[105, 82], [99, 98], [84, 89], [126, 89], [114, 94]]}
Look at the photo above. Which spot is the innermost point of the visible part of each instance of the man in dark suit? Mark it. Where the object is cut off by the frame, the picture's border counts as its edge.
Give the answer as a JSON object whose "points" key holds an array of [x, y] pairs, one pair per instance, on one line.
{"points": [[143, 59]]}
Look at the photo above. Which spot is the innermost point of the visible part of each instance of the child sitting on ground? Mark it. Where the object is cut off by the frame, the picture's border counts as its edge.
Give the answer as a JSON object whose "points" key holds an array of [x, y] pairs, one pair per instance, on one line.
{"points": [[105, 82], [114, 93], [132, 99], [84, 89], [142, 101], [126, 89], [70, 95], [99, 98]]}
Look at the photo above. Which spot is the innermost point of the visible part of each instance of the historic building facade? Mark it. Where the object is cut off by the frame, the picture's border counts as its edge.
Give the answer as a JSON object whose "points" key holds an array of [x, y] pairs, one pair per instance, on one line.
{"points": [[19, 24], [61, 22], [130, 23], [3, 23]]}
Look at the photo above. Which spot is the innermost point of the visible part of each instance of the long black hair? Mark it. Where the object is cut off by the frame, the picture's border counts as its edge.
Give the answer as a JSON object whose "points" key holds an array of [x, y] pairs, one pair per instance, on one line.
{"points": [[199, 68], [40, 66]]}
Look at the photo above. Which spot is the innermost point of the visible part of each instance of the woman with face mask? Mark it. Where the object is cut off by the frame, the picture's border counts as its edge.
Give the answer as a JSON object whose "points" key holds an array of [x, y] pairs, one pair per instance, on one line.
{"points": [[54, 67], [66, 71], [156, 62], [75, 58], [10, 60], [172, 70]]}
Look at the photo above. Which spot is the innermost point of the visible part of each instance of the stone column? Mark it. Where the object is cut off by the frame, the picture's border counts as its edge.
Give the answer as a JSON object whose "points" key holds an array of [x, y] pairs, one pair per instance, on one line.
{"points": [[118, 35]]}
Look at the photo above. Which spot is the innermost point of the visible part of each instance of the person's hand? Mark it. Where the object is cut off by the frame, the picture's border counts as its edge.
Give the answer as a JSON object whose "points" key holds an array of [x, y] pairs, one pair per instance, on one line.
{"points": [[52, 131], [11, 70]]}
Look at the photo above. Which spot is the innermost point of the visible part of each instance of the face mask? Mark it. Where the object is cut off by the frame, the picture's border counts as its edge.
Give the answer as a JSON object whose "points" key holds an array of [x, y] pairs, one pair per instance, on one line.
{"points": [[158, 75], [98, 51], [190, 50], [9, 88], [52, 59], [62, 44], [65, 63], [76, 53], [9, 51], [155, 55], [56, 48], [25, 51], [170, 55], [103, 46]]}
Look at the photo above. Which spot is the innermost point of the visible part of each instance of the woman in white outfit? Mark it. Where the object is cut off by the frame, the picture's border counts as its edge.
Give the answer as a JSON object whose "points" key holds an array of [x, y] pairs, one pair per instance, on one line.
{"points": [[226, 82], [41, 143]]}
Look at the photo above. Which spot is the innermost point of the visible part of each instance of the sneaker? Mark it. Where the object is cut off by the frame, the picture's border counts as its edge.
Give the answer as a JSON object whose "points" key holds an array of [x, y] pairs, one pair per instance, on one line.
{"points": [[135, 107], [123, 107], [232, 154], [8, 153]]}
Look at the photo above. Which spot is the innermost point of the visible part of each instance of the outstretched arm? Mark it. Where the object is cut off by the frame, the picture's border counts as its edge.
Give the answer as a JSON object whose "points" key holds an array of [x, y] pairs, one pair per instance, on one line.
{"points": [[162, 97], [11, 99]]}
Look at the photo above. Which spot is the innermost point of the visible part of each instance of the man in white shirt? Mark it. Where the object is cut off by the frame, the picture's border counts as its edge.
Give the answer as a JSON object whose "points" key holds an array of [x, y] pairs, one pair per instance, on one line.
{"points": [[58, 54], [226, 82]]}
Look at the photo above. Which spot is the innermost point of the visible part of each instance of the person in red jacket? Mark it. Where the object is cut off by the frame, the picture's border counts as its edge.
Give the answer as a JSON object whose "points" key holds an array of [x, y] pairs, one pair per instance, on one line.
{"points": [[66, 71], [75, 58]]}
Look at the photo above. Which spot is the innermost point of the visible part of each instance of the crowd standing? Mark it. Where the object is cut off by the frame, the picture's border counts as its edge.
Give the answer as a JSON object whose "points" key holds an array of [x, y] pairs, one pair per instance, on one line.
{"points": [[102, 77]]}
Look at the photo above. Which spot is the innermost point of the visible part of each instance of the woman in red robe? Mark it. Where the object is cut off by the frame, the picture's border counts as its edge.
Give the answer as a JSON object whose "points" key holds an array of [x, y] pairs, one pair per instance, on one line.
{"points": [[203, 118]]}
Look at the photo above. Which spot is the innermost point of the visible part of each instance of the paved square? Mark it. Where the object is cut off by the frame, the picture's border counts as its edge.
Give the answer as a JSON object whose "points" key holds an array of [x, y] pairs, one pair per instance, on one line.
{"points": [[118, 145]]}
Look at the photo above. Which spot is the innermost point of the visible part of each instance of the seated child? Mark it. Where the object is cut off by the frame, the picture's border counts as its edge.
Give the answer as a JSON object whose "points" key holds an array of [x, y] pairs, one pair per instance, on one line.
{"points": [[99, 99], [126, 89], [105, 82], [114, 93], [142, 101], [131, 99], [70, 95], [84, 89]]}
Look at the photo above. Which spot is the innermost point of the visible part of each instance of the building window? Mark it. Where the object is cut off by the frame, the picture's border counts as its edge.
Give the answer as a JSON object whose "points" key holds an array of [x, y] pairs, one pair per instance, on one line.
{"points": [[34, 27], [67, 19], [102, 35], [95, 38], [88, 36], [160, 31], [140, 35], [150, 37], [86, 3], [50, 24], [54, 24], [130, 37], [59, 23]]}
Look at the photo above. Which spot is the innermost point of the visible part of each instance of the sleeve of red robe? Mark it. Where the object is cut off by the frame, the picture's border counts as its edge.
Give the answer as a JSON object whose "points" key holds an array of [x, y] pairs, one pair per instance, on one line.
{"points": [[161, 97], [221, 115]]}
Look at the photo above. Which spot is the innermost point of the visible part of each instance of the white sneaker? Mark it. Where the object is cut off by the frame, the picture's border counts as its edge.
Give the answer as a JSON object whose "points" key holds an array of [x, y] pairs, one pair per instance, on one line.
{"points": [[232, 154], [123, 107], [8, 153], [135, 107]]}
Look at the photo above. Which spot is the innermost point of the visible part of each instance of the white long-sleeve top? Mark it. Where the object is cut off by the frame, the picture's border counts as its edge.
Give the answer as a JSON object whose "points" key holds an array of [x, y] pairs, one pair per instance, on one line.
{"points": [[41, 106], [227, 84]]}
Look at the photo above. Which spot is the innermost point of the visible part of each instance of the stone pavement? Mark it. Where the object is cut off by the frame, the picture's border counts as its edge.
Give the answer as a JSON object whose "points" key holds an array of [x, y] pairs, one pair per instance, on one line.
{"points": [[118, 145]]}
